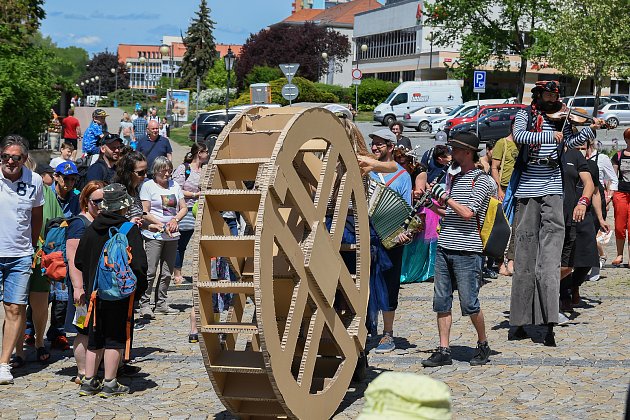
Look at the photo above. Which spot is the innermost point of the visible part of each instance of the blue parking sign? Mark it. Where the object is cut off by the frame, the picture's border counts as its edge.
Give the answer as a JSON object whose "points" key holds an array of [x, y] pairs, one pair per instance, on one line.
{"points": [[479, 81]]}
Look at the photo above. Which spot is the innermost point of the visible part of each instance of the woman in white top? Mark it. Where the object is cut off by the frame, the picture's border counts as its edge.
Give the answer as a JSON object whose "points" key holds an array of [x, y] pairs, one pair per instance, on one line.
{"points": [[126, 130], [164, 207]]}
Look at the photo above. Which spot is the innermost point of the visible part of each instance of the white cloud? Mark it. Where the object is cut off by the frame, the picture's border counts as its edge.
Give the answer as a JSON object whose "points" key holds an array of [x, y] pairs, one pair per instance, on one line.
{"points": [[88, 40]]}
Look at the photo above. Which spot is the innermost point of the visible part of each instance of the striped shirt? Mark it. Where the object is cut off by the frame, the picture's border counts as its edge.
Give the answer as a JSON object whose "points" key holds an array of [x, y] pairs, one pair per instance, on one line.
{"points": [[541, 180], [456, 233]]}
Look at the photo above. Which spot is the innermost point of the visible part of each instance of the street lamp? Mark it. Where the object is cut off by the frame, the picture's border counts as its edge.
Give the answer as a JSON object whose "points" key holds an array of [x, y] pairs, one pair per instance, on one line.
{"points": [[143, 61], [229, 63], [319, 68], [364, 48], [98, 79], [129, 66], [115, 73], [430, 38]]}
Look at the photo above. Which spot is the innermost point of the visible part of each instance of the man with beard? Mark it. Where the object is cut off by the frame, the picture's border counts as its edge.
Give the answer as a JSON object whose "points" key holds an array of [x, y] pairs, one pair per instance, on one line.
{"points": [[540, 227], [105, 167], [383, 143]]}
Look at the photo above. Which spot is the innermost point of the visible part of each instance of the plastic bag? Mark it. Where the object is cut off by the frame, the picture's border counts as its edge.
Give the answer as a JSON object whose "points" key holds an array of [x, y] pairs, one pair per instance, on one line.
{"points": [[79, 316]]}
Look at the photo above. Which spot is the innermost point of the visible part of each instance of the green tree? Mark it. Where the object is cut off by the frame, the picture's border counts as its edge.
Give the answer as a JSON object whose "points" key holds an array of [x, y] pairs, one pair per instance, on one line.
{"points": [[489, 30], [592, 41], [200, 48], [263, 74], [28, 86], [217, 75]]}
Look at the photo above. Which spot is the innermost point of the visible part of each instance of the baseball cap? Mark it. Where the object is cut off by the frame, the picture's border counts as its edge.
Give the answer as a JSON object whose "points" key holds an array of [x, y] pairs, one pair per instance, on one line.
{"points": [[99, 113], [66, 168], [109, 138], [385, 134], [44, 169]]}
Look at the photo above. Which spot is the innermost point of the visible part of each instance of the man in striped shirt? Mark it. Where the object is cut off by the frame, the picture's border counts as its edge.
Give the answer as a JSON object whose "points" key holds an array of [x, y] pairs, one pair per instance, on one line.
{"points": [[459, 257], [540, 228]]}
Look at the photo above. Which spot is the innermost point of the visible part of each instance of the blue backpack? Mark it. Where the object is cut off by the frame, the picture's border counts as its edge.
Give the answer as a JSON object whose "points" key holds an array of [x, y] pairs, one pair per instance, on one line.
{"points": [[114, 279]]}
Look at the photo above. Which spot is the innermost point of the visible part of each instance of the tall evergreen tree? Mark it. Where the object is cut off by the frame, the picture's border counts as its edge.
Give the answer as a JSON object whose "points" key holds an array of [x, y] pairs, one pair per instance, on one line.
{"points": [[201, 50]]}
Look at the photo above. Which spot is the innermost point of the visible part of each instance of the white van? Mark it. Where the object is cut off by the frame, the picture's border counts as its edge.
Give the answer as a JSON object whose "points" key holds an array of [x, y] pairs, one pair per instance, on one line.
{"points": [[408, 97], [437, 124]]}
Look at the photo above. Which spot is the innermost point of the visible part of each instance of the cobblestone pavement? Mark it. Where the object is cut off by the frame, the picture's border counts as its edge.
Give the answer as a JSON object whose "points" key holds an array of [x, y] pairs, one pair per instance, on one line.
{"points": [[586, 376]]}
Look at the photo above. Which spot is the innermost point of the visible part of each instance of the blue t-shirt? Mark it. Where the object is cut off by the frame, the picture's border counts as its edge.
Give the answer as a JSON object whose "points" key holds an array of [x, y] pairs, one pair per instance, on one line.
{"points": [[91, 137], [70, 206], [152, 149], [402, 183]]}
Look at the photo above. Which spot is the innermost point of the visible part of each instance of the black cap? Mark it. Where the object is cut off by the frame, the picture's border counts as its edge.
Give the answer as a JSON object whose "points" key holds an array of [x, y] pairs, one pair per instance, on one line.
{"points": [[109, 138], [465, 140], [44, 169]]}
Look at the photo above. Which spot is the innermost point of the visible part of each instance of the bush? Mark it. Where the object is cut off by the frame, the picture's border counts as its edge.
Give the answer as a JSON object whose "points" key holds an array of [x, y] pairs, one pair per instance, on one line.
{"points": [[309, 92], [212, 96], [345, 94], [262, 74], [125, 97], [372, 92]]}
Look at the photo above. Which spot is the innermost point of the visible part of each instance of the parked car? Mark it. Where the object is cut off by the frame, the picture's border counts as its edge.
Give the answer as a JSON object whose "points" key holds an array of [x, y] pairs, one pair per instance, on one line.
{"points": [[587, 102], [619, 97], [208, 125], [421, 119], [483, 111], [492, 126], [438, 123], [615, 114]]}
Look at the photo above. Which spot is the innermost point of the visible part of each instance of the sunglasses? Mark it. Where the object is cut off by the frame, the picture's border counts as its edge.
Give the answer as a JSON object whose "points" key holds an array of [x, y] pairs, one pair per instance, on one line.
{"points": [[379, 145], [141, 173], [15, 158], [97, 201]]}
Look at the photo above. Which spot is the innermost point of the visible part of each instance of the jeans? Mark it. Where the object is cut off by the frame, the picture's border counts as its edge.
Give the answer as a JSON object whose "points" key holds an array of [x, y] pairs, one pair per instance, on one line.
{"points": [[459, 270], [15, 276]]}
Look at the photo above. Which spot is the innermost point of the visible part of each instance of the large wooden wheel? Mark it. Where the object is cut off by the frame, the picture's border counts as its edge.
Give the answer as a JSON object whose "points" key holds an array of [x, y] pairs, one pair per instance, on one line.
{"points": [[296, 326]]}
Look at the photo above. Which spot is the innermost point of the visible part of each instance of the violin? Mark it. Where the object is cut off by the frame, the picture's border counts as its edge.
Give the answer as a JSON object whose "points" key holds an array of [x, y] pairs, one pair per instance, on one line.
{"points": [[576, 116]]}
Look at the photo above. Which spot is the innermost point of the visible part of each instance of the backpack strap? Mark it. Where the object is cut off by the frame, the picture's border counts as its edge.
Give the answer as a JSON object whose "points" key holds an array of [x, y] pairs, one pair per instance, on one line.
{"points": [[125, 228], [128, 326], [399, 173]]}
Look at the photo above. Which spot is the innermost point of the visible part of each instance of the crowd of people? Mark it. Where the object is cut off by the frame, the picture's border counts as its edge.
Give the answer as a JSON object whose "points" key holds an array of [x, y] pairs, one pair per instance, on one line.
{"points": [[118, 178], [554, 185]]}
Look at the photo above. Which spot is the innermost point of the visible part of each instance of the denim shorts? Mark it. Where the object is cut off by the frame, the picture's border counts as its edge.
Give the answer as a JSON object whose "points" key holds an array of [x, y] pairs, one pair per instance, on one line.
{"points": [[459, 270], [16, 275]]}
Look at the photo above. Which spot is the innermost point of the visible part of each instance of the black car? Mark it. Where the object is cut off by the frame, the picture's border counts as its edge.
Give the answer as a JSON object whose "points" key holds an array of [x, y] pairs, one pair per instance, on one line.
{"points": [[208, 126], [493, 126]]}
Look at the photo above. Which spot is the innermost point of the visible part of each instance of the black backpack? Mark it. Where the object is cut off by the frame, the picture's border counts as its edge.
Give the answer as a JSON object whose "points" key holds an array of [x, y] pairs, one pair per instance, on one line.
{"points": [[83, 164]]}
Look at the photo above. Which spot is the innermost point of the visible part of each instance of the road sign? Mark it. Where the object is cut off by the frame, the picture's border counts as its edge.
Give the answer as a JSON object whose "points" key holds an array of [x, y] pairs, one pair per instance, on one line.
{"points": [[289, 70], [479, 81], [290, 92], [356, 81], [357, 74]]}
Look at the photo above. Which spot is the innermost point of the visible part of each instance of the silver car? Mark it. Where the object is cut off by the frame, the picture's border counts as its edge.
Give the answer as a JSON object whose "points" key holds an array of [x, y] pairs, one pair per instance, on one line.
{"points": [[615, 113], [421, 119]]}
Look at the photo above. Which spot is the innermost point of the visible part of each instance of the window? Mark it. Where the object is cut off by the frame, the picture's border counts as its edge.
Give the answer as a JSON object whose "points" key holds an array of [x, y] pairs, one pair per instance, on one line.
{"points": [[400, 99], [388, 44], [623, 107], [612, 107], [579, 102], [590, 102]]}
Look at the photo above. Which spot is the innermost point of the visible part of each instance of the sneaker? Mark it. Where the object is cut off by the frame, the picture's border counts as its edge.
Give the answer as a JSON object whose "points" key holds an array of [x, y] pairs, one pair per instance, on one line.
{"points": [[562, 319], [139, 325], [386, 345], [146, 313], [113, 389], [90, 386], [29, 340], [490, 273], [5, 374], [550, 339], [193, 338], [165, 310], [440, 357], [60, 343], [482, 356]]}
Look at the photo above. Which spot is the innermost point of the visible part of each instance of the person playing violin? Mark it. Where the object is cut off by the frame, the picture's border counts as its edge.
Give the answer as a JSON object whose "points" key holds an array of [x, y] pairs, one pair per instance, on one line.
{"points": [[540, 228]]}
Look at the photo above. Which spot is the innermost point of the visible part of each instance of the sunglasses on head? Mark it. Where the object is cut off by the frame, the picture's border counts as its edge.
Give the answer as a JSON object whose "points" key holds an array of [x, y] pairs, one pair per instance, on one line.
{"points": [[15, 158]]}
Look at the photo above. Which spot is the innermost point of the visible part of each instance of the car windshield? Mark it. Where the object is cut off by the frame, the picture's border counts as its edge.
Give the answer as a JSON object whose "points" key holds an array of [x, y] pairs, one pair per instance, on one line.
{"points": [[389, 98], [470, 113], [455, 110]]}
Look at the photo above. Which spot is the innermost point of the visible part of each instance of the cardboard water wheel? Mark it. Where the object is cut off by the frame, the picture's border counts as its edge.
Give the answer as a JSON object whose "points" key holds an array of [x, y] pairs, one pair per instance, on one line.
{"points": [[295, 326]]}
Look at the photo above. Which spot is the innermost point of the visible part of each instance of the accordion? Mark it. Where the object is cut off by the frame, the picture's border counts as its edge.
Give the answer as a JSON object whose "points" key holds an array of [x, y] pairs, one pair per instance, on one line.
{"points": [[390, 214]]}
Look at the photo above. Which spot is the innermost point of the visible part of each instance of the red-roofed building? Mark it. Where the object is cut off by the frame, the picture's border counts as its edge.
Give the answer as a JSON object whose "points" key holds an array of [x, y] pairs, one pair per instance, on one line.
{"points": [[146, 64], [339, 17]]}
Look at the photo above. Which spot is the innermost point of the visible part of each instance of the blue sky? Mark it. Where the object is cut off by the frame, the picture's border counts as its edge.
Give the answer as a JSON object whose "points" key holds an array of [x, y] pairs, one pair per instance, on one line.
{"points": [[95, 26]]}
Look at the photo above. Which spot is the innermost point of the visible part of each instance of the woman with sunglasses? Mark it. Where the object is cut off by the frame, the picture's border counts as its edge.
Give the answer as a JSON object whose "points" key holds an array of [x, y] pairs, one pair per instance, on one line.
{"points": [[90, 203], [131, 171]]}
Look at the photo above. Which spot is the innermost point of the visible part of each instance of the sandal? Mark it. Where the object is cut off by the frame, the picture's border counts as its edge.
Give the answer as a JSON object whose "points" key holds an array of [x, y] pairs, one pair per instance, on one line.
{"points": [[617, 262], [43, 355], [17, 362]]}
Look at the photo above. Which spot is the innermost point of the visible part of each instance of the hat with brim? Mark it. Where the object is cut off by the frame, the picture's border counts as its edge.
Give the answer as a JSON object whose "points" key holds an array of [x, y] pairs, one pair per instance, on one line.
{"points": [[385, 135], [115, 197], [66, 168], [468, 141]]}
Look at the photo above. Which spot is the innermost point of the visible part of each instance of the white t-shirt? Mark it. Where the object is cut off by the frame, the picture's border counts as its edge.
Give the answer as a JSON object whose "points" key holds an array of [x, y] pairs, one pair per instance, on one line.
{"points": [[56, 161], [17, 200], [164, 204]]}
